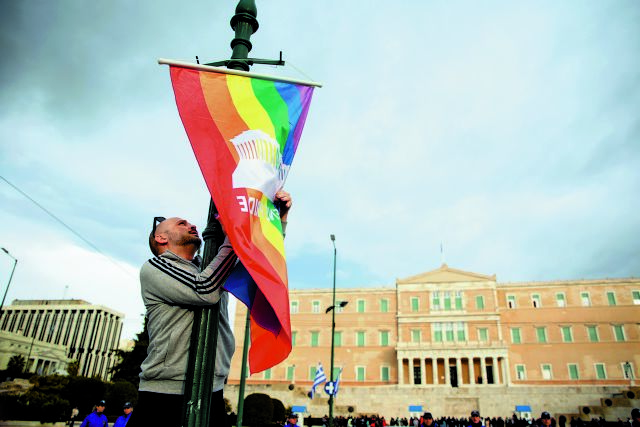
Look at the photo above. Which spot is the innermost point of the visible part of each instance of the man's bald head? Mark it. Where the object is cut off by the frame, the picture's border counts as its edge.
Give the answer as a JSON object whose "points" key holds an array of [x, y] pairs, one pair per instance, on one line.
{"points": [[174, 234]]}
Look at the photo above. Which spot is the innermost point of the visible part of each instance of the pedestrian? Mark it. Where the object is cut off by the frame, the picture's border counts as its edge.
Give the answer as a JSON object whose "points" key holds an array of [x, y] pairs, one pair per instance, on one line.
{"points": [[428, 421], [545, 419], [292, 420], [635, 417], [74, 415], [172, 285], [123, 419], [475, 419], [96, 418]]}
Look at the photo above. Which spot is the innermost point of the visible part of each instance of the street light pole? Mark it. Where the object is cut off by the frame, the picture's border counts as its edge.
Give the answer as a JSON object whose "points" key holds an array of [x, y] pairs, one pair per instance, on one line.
{"points": [[15, 262], [333, 326]]}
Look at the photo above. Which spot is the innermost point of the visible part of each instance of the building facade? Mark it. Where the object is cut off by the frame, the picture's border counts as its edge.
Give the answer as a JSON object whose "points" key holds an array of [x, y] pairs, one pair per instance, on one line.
{"points": [[52, 333], [452, 329]]}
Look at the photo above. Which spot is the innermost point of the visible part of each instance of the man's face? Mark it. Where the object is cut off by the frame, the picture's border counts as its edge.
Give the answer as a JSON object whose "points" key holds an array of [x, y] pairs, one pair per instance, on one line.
{"points": [[100, 409], [293, 420], [546, 421], [127, 411], [428, 421], [475, 419], [179, 232]]}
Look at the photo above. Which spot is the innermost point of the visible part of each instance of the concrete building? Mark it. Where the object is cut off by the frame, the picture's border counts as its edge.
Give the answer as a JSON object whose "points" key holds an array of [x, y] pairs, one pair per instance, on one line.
{"points": [[52, 333], [452, 339]]}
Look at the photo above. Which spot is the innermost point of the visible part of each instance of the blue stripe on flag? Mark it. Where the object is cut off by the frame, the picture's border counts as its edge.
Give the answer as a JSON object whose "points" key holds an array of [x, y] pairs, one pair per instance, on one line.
{"points": [[319, 379]]}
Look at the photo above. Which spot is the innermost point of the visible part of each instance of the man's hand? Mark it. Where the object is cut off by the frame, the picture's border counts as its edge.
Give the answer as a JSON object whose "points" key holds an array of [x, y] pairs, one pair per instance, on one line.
{"points": [[283, 202]]}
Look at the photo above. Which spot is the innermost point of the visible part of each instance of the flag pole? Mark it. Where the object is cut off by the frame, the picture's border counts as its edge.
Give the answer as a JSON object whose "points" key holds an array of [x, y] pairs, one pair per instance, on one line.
{"points": [[202, 352]]}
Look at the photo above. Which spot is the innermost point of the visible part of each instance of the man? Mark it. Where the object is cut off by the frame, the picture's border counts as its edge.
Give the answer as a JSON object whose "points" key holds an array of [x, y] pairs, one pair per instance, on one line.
{"points": [[172, 284], [292, 420], [475, 419], [545, 419], [123, 419], [635, 417], [96, 418], [427, 420]]}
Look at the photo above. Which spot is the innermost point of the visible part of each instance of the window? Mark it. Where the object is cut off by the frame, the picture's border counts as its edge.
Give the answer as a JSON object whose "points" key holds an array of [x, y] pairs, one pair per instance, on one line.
{"points": [[447, 300], [415, 335], [586, 300], [294, 335], [448, 331], [435, 300], [384, 305], [627, 370], [437, 332], [360, 373], [618, 332], [560, 300], [312, 372], [415, 304], [515, 336], [291, 372], [480, 302], [521, 373], [267, 374], [535, 300], [361, 306], [573, 371], [546, 372], [294, 307], [384, 373], [336, 372], [611, 298], [592, 331], [315, 337], [483, 334], [541, 334], [315, 306], [601, 372], [511, 301], [360, 338], [460, 332], [458, 300], [384, 338], [337, 339], [636, 297], [567, 336]]}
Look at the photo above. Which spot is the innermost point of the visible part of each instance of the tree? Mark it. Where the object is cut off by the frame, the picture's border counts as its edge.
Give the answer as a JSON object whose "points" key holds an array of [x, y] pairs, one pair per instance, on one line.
{"points": [[258, 409], [15, 368], [129, 367], [73, 368]]}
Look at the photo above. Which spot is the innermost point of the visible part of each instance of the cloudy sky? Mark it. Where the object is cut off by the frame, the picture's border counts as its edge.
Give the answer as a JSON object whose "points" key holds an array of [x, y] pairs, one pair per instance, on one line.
{"points": [[508, 132]]}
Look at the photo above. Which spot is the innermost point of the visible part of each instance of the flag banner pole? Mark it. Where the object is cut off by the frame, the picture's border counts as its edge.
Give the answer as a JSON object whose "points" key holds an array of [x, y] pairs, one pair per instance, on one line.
{"points": [[200, 67]]}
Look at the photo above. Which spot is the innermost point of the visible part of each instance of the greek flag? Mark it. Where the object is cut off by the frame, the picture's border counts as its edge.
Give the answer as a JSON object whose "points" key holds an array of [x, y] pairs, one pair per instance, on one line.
{"points": [[338, 382], [319, 379]]}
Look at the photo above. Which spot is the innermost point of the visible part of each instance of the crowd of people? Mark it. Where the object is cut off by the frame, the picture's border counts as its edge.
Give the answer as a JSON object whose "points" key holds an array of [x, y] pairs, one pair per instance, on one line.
{"points": [[427, 420]]}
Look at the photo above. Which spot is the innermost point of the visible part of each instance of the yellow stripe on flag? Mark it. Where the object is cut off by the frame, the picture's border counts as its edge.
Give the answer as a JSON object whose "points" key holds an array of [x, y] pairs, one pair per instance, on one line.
{"points": [[248, 106]]}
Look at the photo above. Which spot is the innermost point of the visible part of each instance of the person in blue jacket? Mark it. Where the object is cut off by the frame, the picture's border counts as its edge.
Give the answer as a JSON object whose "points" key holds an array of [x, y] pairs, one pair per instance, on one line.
{"points": [[123, 419], [96, 418]]}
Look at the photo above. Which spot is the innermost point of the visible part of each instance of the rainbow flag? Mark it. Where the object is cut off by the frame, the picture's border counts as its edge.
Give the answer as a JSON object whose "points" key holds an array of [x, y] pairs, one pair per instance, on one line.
{"points": [[244, 132]]}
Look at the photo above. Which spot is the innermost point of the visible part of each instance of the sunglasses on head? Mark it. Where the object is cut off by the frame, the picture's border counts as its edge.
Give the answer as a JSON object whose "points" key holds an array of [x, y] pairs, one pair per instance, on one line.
{"points": [[156, 220]]}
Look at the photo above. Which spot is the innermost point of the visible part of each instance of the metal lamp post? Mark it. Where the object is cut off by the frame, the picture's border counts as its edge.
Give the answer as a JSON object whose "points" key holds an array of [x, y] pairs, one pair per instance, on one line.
{"points": [[333, 325], [15, 262]]}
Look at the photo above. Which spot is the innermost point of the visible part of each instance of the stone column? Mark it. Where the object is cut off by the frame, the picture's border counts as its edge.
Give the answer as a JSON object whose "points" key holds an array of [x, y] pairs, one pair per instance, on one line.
{"points": [[411, 376], [447, 373], [434, 368], [400, 374], [459, 370], [423, 371], [505, 369], [472, 375], [483, 370], [496, 373]]}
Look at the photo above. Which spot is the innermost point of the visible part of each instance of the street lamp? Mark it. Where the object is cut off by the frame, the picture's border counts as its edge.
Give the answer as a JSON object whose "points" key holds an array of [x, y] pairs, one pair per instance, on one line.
{"points": [[333, 325], [15, 261]]}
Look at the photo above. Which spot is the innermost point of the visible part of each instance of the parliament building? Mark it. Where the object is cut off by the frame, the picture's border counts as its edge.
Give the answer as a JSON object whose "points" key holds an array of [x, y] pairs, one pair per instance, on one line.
{"points": [[450, 341]]}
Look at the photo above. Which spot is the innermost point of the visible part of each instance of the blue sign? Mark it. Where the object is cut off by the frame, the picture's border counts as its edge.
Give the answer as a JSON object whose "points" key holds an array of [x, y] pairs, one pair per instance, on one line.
{"points": [[415, 408], [330, 388], [523, 408], [299, 409]]}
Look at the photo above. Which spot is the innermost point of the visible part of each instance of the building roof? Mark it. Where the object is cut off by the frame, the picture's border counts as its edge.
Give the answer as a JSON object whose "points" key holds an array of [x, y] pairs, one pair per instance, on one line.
{"points": [[446, 274]]}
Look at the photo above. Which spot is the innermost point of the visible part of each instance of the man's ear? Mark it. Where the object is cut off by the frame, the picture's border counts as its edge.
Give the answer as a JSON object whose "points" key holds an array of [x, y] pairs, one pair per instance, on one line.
{"points": [[161, 239]]}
